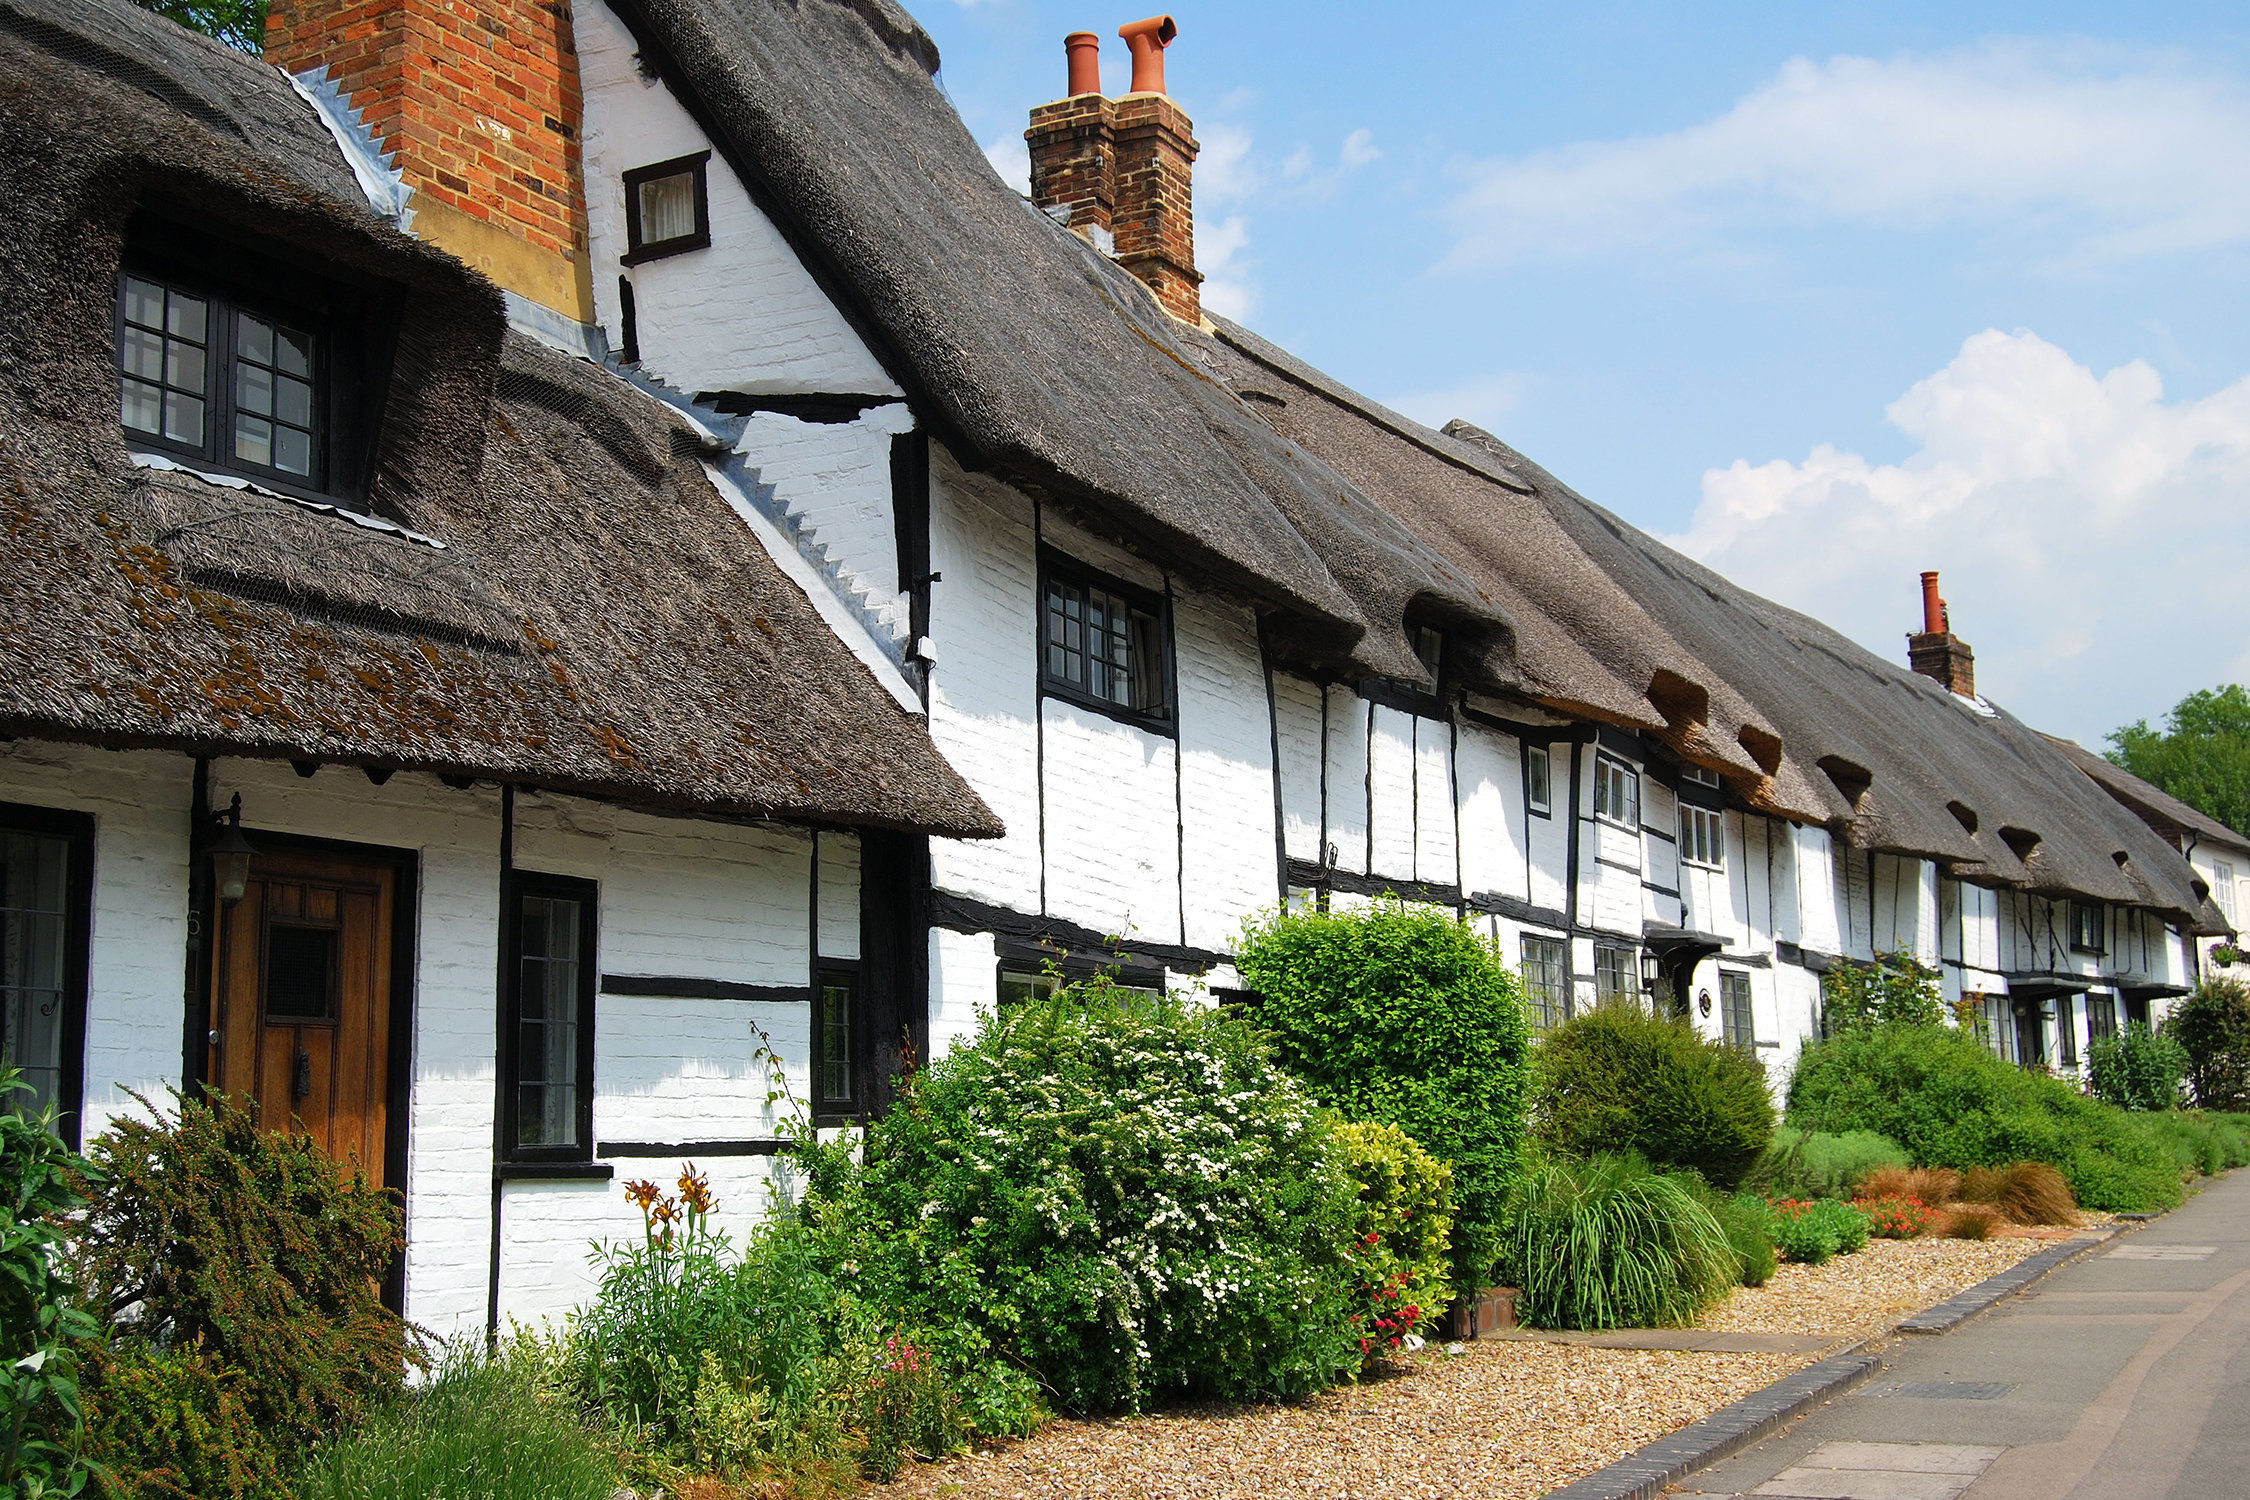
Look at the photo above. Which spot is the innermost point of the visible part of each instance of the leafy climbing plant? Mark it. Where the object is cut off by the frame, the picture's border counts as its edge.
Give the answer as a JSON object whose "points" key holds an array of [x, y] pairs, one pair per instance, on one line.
{"points": [[42, 1429]]}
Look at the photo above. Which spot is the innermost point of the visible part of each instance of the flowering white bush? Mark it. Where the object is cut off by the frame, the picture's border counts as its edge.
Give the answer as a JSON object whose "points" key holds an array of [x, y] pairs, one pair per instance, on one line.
{"points": [[1125, 1194]]}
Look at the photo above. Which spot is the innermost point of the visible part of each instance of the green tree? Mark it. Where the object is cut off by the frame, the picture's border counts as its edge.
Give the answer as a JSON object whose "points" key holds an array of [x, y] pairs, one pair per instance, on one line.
{"points": [[2202, 757], [238, 23]]}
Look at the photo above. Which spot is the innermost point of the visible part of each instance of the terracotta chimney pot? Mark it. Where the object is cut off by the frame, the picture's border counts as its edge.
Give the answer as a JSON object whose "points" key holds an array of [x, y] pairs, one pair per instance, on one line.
{"points": [[1148, 39], [1083, 49], [1933, 608]]}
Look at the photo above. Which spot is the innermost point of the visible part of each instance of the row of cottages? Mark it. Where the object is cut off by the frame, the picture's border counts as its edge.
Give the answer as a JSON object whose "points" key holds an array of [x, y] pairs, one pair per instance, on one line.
{"points": [[676, 560]]}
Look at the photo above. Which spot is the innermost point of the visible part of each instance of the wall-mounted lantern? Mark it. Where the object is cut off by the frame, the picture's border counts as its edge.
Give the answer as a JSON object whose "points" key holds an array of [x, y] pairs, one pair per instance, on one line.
{"points": [[230, 855], [1652, 971]]}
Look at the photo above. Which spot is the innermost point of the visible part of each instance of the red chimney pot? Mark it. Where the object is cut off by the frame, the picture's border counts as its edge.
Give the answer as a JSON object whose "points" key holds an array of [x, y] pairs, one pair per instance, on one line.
{"points": [[1148, 39], [1933, 608], [1084, 51]]}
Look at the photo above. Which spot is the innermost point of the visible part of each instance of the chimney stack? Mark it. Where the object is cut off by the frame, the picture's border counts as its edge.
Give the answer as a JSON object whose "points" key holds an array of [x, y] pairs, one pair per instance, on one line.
{"points": [[1935, 651], [1120, 172], [477, 103]]}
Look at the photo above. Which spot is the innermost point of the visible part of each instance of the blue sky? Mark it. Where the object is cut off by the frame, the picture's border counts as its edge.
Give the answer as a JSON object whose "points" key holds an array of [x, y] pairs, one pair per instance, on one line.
{"points": [[1823, 294]]}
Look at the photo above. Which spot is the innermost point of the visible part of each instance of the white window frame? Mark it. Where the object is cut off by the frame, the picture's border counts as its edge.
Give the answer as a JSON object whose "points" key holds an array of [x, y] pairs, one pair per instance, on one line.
{"points": [[1700, 775], [1539, 780], [1615, 780], [1703, 837], [2222, 887]]}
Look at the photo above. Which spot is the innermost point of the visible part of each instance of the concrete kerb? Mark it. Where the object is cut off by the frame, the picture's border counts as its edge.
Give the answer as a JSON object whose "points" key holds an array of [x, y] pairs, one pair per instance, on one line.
{"points": [[1644, 1473]]}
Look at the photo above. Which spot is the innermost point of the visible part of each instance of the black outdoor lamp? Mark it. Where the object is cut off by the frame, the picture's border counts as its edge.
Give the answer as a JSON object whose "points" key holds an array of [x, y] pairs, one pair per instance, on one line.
{"points": [[1652, 971], [230, 855]]}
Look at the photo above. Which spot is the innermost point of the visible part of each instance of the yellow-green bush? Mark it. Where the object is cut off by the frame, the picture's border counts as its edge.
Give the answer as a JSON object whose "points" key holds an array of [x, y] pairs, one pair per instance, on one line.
{"points": [[1403, 1232]]}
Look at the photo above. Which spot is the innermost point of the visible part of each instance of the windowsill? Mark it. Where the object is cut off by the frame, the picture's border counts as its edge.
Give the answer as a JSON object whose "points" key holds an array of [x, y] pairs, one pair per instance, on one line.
{"points": [[553, 1171], [664, 249]]}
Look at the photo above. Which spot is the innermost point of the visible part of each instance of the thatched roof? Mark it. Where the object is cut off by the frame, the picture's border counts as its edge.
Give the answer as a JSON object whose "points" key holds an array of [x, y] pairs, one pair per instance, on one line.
{"points": [[597, 618], [1610, 624], [2173, 819], [1036, 358]]}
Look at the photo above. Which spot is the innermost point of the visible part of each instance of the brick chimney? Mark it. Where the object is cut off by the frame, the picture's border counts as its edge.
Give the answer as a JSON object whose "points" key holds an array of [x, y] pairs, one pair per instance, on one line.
{"points": [[1121, 172], [1936, 651], [477, 102]]}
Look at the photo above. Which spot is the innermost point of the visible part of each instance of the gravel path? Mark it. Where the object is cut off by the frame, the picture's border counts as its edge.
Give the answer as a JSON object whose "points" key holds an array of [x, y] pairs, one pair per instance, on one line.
{"points": [[1503, 1419]]}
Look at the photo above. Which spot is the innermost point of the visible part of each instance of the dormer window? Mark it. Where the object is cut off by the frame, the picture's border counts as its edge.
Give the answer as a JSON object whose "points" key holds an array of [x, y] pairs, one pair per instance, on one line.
{"points": [[667, 208], [1429, 647], [209, 378]]}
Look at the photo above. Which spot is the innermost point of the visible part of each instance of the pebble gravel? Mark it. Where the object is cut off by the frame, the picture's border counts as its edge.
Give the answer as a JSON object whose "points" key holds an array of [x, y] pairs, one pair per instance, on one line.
{"points": [[1500, 1419]]}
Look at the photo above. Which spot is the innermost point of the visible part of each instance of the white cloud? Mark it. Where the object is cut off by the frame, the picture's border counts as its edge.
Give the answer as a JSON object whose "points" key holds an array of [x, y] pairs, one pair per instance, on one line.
{"points": [[1359, 148], [1011, 158], [1486, 402], [1225, 171], [1229, 288], [2088, 531], [2117, 154]]}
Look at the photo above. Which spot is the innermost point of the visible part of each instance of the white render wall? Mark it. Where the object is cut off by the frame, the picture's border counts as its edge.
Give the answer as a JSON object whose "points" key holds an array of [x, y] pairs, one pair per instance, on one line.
{"points": [[742, 315], [835, 478]]}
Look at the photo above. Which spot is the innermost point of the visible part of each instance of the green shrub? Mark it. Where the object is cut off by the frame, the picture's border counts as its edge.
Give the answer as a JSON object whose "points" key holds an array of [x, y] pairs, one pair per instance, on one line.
{"points": [[2213, 1024], [1609, 1243], [1895, 990], [1810, 1233], [481, 1430], [41, 1330], [256, 1247], [1125, 1195], [1405, 1214], [1817, 1164], [2199, 1140], [2137, 1068], [173, 1424], [1618, 1078], [1402, 1015], [1742, 1218], [1952, 1103]]}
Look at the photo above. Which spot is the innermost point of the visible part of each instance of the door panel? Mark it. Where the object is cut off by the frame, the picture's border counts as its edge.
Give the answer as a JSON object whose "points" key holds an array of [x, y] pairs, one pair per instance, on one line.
{"points": [[302, 980]]}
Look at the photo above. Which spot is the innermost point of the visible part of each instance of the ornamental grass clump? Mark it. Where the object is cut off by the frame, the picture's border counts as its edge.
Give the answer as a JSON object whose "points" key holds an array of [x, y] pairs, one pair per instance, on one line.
{"points": [[1609, 1243], [1818, 1164], [2026, 1192], [1125, 1196], [1618, 1078], [1402, 1015]]}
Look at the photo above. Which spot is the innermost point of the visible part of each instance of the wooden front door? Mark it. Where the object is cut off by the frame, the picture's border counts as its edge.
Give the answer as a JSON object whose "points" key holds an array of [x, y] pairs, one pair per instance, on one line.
{"points": [[302, 988]]}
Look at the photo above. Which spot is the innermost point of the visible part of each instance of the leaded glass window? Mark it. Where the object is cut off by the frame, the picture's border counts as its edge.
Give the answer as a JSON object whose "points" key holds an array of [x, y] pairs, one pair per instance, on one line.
{"points": [[35, 893], [1546, 980], [550, 1062], [1735, 1023], [835, 1039], [1098, 644], [1614, 977], [202, 376]]}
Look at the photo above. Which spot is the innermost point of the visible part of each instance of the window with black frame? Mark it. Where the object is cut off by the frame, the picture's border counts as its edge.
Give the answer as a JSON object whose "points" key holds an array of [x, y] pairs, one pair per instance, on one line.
{"points": [[1539, 779], [548, 1026], [45, 900], [836, 1038], [667, 208], [1105, 644], [1546, 981], [208, 377], [2101, 1016], [1615, 973], [2088, 927], [1735, 1023]]}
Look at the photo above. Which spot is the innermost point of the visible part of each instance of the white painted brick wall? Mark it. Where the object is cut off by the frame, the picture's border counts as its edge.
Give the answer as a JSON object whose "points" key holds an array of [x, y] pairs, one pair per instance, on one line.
{"points": [[1437, 856], [675, 1069], [1391, 755], [1491, 775], [983, 694], [137, 963], [836, 478], [1816, 891], [1548, 836], [839, 895], [1113, 834], [1297, 714], [1230, 864], [1347, 778], [742, 315], [964, 970]]}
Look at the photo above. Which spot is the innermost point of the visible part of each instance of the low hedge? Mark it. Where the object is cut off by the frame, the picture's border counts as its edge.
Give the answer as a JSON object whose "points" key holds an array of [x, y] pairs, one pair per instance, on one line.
{"points": [[1952, 1103]]}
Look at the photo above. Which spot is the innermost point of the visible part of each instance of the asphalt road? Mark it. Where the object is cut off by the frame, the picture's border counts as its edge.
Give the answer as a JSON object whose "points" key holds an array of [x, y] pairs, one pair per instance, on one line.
{"points": [[2122, 1376]]}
